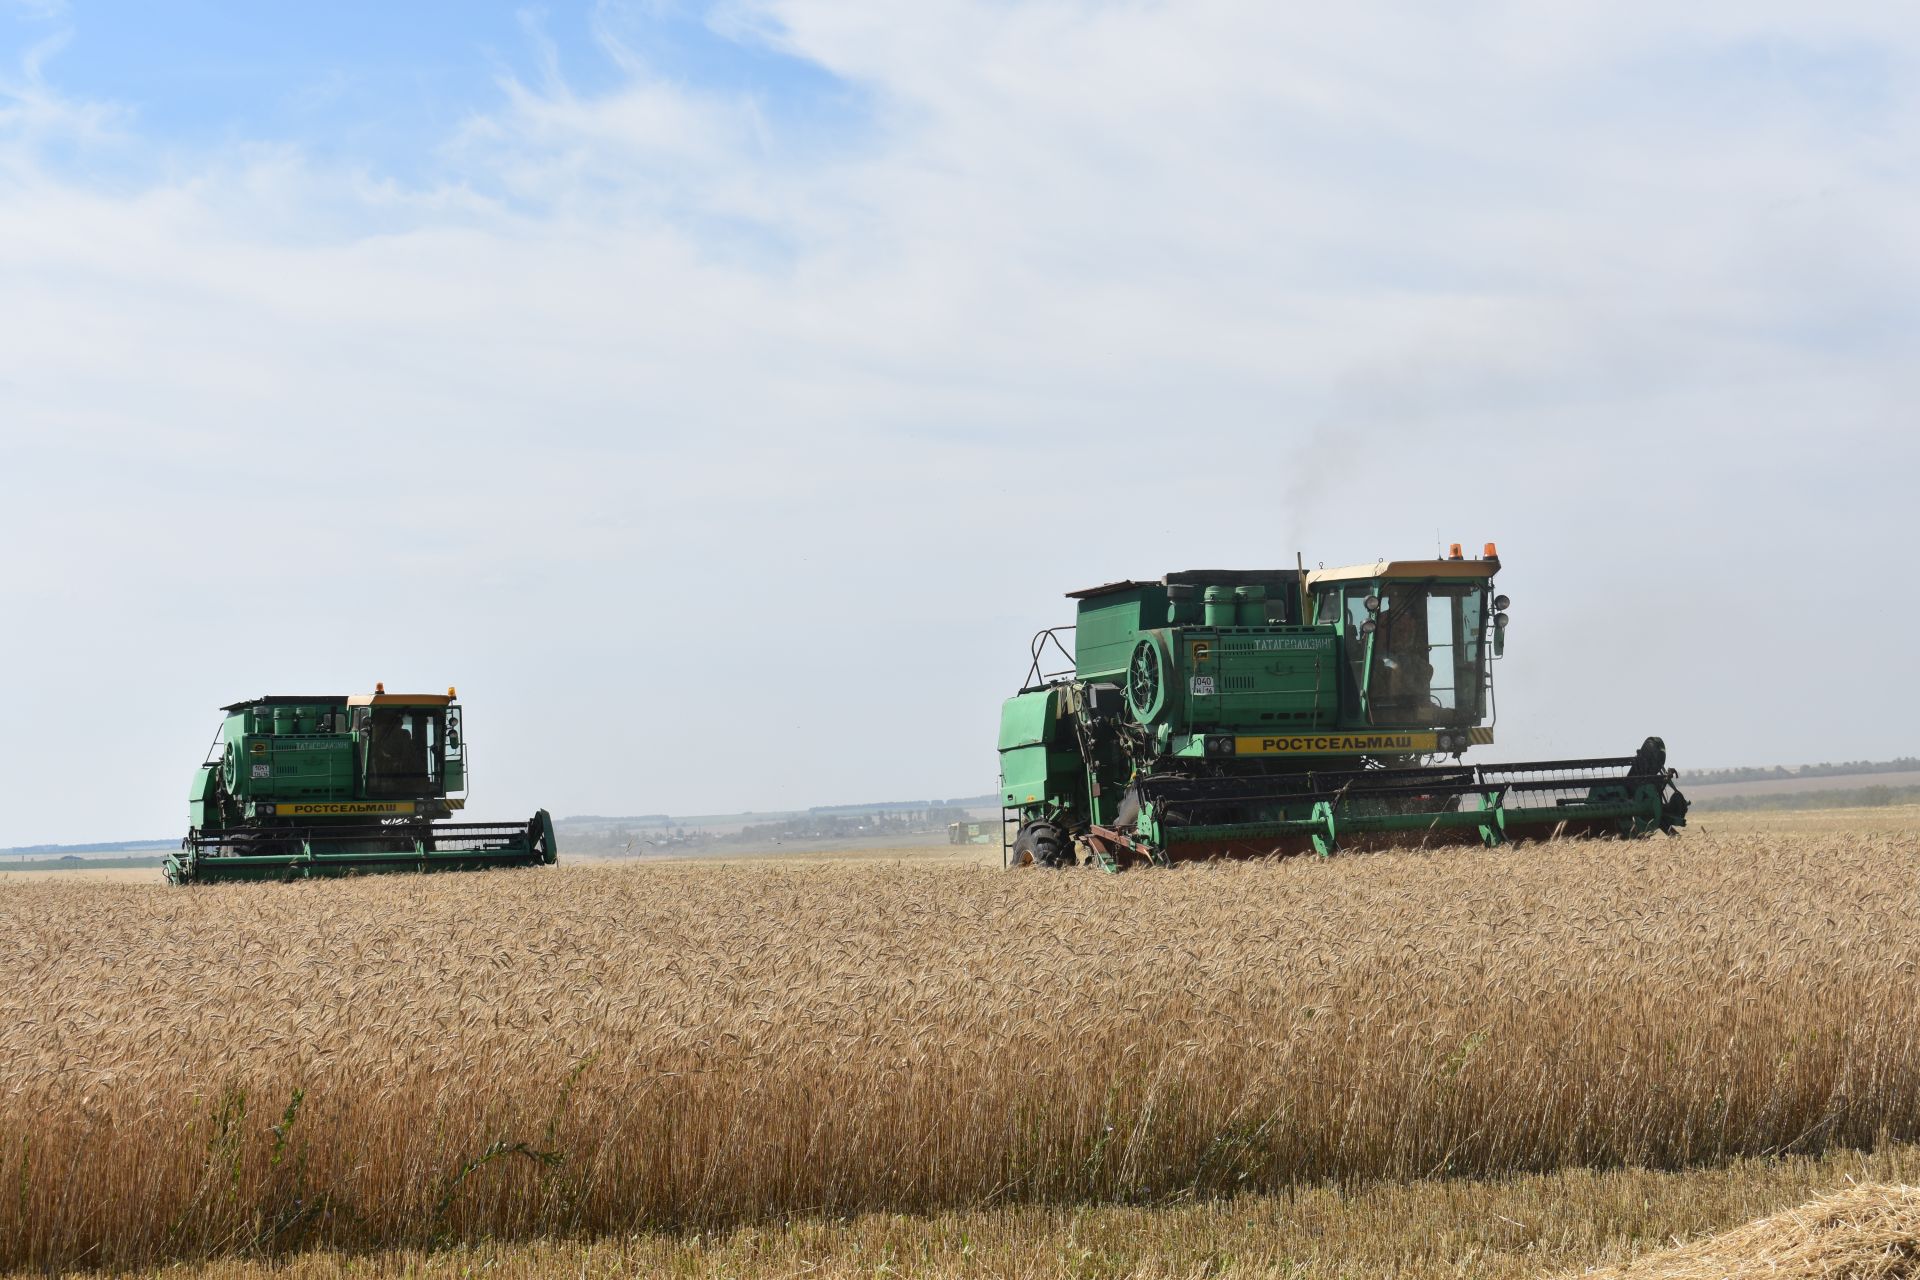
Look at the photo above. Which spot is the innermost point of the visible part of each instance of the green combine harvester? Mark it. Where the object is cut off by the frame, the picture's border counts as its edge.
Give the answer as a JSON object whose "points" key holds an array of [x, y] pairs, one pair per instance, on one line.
{"points": [[1248, 713], [336, 785]]}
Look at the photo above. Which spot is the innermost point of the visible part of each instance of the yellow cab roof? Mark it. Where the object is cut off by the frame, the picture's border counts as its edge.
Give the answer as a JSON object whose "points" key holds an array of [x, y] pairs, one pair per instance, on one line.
{"points": [[1404, 569], [399, 700]]}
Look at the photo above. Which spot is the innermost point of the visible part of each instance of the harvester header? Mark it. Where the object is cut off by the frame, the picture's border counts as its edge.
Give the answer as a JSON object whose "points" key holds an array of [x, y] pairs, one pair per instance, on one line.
{"points": [[1252, 712], [300, 785]]}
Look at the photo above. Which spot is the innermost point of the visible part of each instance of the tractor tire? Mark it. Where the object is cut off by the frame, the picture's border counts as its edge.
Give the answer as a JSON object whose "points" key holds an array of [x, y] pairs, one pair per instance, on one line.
{"points": [[1042, 844]]}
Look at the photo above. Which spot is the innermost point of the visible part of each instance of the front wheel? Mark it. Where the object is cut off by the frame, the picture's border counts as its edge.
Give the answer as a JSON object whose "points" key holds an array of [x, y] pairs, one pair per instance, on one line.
{"points": [[1042, 844]]}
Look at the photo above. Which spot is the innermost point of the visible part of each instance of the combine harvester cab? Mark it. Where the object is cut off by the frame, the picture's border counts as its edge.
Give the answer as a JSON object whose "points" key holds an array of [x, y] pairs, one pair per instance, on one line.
{"points": [[297, 787], [1258, 712]]}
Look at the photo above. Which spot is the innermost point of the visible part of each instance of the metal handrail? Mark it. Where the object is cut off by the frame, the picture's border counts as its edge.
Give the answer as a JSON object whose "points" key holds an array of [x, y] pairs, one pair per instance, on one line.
{"points": [[1038, 679]]}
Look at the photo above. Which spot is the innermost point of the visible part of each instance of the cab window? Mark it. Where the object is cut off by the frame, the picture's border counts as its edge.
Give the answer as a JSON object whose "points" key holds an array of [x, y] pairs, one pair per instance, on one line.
{"points": [[403, 749], [1427, 664]]}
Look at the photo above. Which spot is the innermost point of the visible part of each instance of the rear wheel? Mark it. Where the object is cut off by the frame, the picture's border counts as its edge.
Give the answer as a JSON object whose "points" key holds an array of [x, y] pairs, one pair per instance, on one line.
{"points": [[1042, 844]]}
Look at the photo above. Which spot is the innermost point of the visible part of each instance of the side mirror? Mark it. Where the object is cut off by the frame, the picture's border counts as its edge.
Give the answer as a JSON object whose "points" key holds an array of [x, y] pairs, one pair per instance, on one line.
{"points": [[1500, 633]]}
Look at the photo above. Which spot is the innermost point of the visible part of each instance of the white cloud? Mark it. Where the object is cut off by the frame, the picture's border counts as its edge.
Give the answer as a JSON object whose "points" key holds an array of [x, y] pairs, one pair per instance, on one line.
{"points": [[662, 425]]}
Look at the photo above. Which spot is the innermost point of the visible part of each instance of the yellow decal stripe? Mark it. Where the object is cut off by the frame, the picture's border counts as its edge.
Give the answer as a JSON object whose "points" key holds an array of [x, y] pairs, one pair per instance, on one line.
{"points": [[1335, 743], [332, 808]]}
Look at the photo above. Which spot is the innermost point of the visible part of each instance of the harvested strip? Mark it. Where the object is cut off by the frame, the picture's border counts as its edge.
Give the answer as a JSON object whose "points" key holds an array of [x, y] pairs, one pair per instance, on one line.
{"points": [[1865, 1233]]}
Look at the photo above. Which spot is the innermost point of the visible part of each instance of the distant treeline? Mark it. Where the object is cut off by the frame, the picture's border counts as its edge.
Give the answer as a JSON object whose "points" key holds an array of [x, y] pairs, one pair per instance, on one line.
{"points": [[830, 825], [100, 846], [630, 839], [1701, 777], [866, 824], [777, 817], [80, 864], [895, 806], [1874, 797]]}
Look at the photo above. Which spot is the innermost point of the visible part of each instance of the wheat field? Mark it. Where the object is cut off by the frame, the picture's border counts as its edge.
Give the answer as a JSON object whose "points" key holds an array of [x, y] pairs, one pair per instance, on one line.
{"points": [[1531, 1227], [420, 1062]]}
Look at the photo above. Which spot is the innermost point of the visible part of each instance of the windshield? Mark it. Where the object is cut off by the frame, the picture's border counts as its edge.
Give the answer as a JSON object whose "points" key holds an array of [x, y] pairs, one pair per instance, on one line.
{"points": [[1427, 665], [404, 749]]}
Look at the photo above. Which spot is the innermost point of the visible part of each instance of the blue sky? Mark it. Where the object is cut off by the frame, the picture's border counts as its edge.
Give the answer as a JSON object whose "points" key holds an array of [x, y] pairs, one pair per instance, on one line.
{"points": [[607, 361], [385, 88]]}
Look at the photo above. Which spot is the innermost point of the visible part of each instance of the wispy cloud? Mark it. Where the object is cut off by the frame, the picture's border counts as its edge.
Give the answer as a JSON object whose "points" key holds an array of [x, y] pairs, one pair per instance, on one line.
{"points": [[1085, 290], [34, 115]]}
